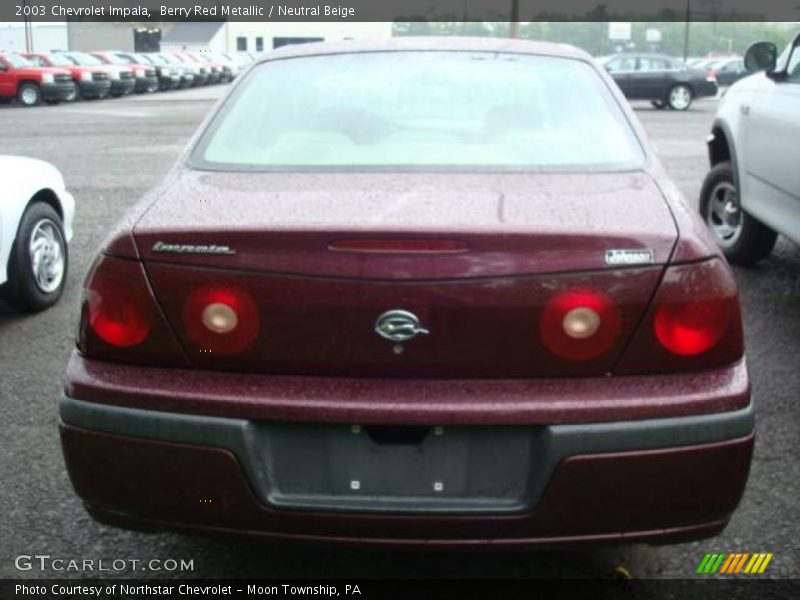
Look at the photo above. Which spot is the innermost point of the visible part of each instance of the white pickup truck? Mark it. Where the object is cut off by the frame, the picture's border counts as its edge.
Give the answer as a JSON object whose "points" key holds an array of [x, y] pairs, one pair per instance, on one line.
{"points": [[752, 192]]}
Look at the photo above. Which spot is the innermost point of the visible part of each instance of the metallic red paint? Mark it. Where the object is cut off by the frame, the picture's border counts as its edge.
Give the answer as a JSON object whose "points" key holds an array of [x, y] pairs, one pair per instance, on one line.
{"points": [[633, 495], [409, 400], [505, 243], [512, 223], [479, 327]]}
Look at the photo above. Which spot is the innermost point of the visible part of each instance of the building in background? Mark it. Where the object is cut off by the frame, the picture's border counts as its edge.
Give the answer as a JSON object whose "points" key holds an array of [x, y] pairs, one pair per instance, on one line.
{"points": [[219, 36], [114, 35], [45, 37], [262, 36]]}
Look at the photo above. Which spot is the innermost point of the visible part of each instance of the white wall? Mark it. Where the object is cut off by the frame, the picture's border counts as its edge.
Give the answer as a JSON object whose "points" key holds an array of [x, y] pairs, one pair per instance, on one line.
{"points": [[107, 35], [326, 31], [217, 44], [46, 37]]}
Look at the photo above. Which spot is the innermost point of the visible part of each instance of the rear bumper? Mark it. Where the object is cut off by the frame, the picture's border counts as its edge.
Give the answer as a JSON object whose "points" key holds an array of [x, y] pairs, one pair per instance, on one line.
{"points": [[655, 480]]}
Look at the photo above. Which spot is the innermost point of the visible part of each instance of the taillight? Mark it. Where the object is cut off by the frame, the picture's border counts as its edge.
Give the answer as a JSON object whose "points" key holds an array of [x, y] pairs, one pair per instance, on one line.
{"points": [[694, 322], [691, 328], [579, 324], [120, 319], [711, 75], [221, 319]]}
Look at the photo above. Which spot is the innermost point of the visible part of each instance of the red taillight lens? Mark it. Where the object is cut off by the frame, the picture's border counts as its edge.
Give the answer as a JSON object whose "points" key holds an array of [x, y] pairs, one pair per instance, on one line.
{"points": [[711, 75], [579, 324], [120, 319], [694, 322], [221, 320], [693, 327]]}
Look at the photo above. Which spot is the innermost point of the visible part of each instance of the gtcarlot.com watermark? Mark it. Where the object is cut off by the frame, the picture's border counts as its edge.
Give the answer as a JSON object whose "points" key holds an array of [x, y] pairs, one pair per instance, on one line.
{"points": [[46, 562]]}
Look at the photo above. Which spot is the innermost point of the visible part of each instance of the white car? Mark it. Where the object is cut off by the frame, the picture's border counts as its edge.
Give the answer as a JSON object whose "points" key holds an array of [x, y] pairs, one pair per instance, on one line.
{"points": [[36, 215], [752, 192]]}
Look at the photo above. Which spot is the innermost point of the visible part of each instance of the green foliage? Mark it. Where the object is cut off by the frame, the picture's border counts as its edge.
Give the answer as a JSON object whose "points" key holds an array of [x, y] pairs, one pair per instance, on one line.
{"points": [[592, 36]]}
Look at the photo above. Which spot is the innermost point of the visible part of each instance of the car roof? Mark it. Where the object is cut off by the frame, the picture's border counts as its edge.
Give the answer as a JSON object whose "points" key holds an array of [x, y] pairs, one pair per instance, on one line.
{"points": [[430, 43]]}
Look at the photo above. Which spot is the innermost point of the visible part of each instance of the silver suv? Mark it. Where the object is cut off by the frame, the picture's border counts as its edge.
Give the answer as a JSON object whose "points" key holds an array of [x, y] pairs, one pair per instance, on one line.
{"points": [[752, 192]]}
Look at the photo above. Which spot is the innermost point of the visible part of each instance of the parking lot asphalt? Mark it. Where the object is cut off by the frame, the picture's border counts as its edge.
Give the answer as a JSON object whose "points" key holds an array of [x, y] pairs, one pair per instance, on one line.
{"points": [[110, 152]]}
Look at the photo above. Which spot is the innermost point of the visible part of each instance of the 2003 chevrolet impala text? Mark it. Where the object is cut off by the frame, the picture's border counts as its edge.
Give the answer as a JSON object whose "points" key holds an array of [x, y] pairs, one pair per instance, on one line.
{"points": [[433, 291]]}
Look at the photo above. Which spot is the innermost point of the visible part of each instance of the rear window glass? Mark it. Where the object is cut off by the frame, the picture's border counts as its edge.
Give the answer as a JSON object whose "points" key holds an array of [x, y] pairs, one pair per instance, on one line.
{"points": [[386, 110]]}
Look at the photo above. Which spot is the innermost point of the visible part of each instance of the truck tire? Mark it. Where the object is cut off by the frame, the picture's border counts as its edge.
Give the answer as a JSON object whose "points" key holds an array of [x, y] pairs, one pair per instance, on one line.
{"points": [[28, 94], [742, 239], [75, 94]]}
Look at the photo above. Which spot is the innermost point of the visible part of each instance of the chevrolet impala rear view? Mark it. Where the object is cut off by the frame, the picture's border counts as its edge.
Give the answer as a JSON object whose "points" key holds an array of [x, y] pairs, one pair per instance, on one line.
{"points": [[413, 292]]}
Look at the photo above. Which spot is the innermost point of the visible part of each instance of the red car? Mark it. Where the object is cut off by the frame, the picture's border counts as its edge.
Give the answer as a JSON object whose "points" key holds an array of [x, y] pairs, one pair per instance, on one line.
{"points": [[414, 292], [29, 84], [91, 82]]}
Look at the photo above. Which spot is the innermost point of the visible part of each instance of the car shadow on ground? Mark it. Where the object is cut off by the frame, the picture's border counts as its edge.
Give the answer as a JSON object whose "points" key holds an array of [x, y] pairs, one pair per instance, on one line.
{"points": [[8, 311]]}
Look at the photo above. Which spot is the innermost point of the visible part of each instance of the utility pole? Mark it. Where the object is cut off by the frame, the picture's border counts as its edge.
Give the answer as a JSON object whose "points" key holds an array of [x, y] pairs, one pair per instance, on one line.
{"points": [[513, 26], [686, 36], [26, 23]]}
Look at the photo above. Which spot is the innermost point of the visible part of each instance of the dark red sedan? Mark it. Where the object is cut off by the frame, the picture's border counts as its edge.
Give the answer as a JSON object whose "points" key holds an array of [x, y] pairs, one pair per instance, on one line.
{"points": [[413, 292]]}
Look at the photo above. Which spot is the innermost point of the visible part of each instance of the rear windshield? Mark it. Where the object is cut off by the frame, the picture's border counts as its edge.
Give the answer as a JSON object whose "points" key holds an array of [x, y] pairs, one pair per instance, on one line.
{"points": [[420, 110]]}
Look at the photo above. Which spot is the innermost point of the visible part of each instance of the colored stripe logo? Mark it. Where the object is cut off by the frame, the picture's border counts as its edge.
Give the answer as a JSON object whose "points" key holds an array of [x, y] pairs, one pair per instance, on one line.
{"points": [[733, 563]]}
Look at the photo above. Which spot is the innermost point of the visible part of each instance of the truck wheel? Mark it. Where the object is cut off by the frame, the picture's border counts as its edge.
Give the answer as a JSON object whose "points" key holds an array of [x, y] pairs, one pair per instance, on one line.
{"points": [[743, 239], [29, 94], [680, 97], [74, 95]]}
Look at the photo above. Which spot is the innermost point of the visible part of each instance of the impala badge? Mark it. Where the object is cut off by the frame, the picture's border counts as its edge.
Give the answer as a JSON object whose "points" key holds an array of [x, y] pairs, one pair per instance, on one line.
{"points": [[399, 326], [192, 248]]}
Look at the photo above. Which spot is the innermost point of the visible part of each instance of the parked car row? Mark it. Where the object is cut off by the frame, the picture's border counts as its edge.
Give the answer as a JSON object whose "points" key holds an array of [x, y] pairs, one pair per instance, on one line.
{"points": [[666, 81], [53, 77], [752, 192], [728, 69]]}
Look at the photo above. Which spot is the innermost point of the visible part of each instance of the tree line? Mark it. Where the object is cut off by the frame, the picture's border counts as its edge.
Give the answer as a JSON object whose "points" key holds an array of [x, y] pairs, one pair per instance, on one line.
{"points": [[705, 38]]}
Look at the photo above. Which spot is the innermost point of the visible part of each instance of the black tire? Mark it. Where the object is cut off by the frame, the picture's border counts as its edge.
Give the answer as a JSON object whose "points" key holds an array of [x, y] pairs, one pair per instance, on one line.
{"points": [[673, 103], [75, 95], [28, 94], [23, 289], [659, 104], [752, 240]]}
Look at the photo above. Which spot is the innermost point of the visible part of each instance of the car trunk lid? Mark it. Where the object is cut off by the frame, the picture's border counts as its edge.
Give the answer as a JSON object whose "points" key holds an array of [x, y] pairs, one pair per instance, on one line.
{"points": [[319, 258], [453, 226]]}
